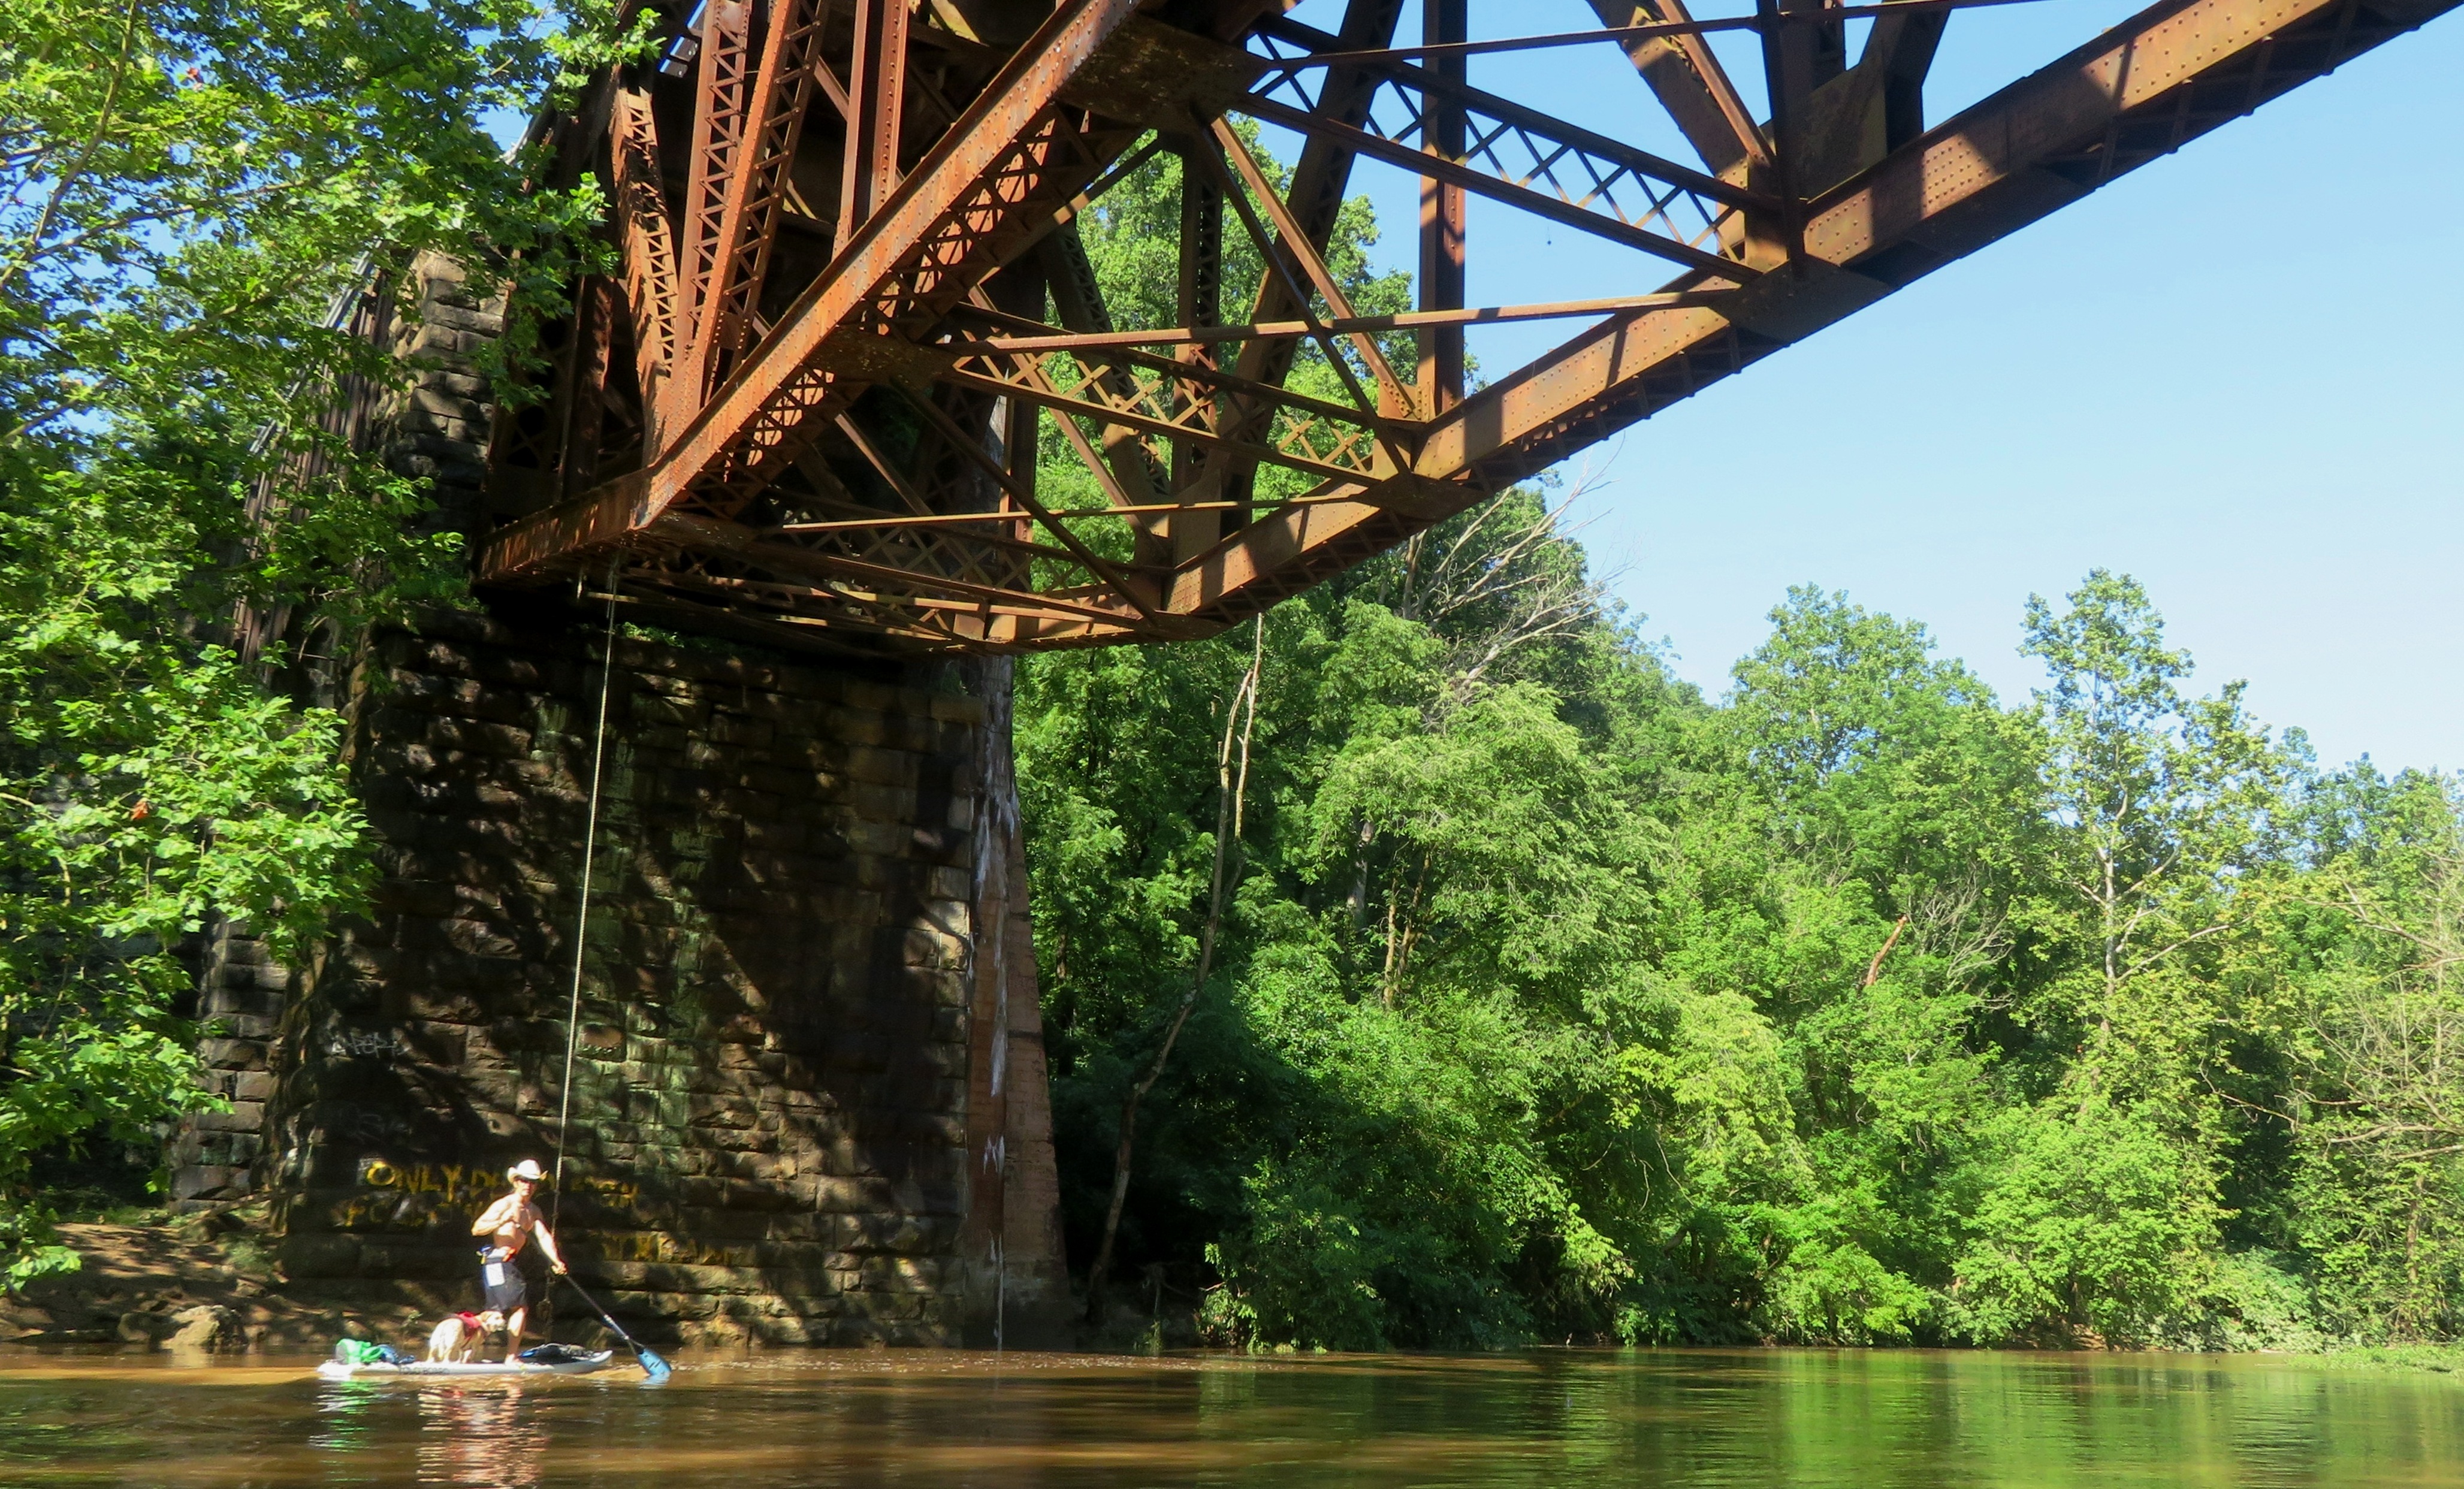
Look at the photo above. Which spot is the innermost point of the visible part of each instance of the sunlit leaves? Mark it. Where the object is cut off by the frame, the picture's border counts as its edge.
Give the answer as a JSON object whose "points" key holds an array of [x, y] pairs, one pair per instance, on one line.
{"points": [[1857, 1007], [187, 193]]}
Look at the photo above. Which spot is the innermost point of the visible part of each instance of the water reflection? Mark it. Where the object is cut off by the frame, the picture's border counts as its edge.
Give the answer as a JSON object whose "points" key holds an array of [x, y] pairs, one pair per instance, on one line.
{"points": [[346, 1424], [474, 1434], [1683, 1419]]}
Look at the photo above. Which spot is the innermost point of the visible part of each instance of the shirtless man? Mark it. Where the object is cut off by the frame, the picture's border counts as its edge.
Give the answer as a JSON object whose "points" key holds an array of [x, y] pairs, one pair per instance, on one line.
{"points": [[508, 1223]]}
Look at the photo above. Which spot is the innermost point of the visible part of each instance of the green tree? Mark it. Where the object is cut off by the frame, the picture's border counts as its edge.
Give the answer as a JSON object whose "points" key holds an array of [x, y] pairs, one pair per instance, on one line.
{"points": [[2355, 999], [2164, 799], [185, 194], [1857, 1007], [2098, 1206], [1839, 921], [1554, 1001]]}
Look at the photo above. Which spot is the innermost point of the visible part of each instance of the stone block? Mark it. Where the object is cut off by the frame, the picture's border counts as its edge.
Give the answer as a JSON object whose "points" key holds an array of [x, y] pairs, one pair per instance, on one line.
{"points": [[739, 674], [437, 1044], [723, 1111], [850, 1050], [917, 732], [243, 1026], [725, 1142], [423, 421], [927, 843], [479, 738], [241, 950], [447, 315], [695, 789], [881, 767], [469, 625], [926, 988], [233, 1149], [424, 898], [925, 945], [848, 1195], [243, 1117], [903, 1274], [320, 1255], [229, 1053], [786, 785], [878, 840], [800, 1266], [822, 755], [412, 1257], [626, 1287], [730, 731], [959, 708], [479, 938], [650, 710], [199, 1180], [863, 727], [953, 917], [769, 1169], [791, 714], [869, 801]]}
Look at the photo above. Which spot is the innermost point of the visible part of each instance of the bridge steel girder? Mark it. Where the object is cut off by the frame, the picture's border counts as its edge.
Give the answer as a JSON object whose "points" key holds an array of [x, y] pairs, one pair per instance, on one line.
{"points": [[842, 455]]}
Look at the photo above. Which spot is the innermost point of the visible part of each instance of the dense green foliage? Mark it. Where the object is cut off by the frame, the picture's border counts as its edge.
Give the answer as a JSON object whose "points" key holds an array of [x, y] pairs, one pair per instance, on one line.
{"points": [[1553, 998], [1856, 1005], [183, 192]]}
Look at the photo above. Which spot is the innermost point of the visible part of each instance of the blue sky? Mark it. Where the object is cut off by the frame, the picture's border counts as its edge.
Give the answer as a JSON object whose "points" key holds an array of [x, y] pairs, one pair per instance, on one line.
{"points": [[2232, 374]]}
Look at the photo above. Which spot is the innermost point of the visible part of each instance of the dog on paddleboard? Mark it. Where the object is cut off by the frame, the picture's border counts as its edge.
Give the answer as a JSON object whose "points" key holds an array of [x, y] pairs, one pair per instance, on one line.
{"points": [[456, 1340]]}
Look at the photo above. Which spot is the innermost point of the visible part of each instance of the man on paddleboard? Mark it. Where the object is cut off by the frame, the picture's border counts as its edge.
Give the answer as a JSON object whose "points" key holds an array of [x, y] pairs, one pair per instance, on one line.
{"points": [[509, 1223]]}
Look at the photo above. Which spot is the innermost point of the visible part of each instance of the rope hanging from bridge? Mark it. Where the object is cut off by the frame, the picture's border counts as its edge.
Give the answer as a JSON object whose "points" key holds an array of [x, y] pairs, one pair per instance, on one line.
{"points": [[582, 917]]}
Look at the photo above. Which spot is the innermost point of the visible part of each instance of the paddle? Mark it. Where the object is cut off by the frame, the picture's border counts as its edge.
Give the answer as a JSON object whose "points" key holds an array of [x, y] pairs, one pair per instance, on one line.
{"points": [[656, 1369]]}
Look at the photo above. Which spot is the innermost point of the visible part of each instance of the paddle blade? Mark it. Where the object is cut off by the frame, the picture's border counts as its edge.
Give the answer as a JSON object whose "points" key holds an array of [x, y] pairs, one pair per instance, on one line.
{"points": [[656, 1369]]}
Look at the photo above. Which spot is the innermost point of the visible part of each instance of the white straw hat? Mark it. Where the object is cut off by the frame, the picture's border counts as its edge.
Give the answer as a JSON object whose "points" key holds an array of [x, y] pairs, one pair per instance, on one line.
{"points": [[527, 1168]]}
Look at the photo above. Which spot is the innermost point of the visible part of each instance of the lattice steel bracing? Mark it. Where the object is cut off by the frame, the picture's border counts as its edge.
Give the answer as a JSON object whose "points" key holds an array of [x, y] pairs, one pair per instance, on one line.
{"points": [[853, 306]]}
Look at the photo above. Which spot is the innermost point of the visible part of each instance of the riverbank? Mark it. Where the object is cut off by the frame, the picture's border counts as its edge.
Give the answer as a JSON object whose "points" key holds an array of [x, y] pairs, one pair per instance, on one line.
{"points": [[2436, 1359], [208, 1284], [203, 1284]]}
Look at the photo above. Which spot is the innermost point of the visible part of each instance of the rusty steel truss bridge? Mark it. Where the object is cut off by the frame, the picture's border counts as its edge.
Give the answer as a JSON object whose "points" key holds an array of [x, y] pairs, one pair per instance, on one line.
{"points": [[853, 304]]}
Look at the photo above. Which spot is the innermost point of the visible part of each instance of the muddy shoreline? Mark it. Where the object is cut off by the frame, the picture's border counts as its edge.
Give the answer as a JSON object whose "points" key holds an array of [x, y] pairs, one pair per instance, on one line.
{"points": [[203, 1284]]}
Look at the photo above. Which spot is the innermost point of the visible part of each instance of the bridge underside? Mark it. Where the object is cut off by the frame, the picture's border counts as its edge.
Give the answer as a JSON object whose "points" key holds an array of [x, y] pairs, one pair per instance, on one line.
{"points": [[798, 1039], [853, 303]]}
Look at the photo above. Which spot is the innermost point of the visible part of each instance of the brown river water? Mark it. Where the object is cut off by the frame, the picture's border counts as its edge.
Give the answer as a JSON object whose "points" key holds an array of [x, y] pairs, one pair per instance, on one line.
{"points": [[955, 1421]]}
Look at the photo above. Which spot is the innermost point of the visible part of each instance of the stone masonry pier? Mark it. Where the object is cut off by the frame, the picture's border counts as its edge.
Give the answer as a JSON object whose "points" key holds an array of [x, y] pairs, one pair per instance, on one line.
{"points": [[809, 1099], [787, 1029]]}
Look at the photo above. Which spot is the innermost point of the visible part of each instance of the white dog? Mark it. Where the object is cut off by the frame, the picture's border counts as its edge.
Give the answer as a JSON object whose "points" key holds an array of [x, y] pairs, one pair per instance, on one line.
{"points": [[456, 1340]]}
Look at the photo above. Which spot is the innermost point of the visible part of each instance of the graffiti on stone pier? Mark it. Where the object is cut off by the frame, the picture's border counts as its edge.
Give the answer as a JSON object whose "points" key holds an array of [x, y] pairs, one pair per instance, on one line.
{"points": [[417, 1196], [653, 1246], [449, 1182]]}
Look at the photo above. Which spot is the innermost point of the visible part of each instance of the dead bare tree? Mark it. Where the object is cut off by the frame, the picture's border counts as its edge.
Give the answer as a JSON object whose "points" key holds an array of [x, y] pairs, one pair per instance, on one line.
{"points": [[1232, 788], [2393, 1049], [1501, 557], [1953, 922], [1500, 554]]}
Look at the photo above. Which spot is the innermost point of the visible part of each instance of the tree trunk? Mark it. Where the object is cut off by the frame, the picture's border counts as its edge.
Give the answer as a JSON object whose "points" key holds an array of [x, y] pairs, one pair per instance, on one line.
{"points": [[1231, 793]]}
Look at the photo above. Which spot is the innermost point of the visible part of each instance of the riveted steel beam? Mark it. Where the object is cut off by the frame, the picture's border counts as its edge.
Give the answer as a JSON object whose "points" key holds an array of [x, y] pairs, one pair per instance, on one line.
{"points": [[839, 418], [2138, 92], [722, 98], [1012, 151]]}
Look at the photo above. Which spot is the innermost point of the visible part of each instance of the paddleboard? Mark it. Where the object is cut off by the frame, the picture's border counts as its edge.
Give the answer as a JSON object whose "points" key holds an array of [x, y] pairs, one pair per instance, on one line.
{"points": [[336, 1369]]}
